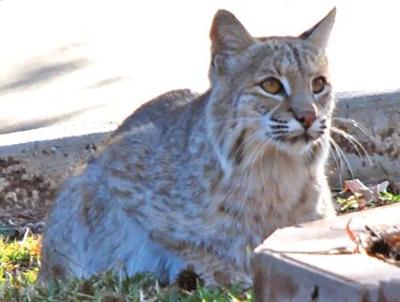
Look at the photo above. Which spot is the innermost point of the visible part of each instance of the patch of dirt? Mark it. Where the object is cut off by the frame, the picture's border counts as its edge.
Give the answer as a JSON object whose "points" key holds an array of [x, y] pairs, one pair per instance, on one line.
{"points": [[24, 198]]}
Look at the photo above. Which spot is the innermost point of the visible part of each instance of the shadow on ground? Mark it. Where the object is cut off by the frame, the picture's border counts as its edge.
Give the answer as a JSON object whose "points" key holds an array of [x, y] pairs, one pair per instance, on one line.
{"points": [[34, 76]]}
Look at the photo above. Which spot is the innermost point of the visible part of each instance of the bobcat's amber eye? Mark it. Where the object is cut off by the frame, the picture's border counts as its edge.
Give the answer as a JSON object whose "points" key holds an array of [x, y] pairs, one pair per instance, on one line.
{"points": [[272, 86], [318, 84]]}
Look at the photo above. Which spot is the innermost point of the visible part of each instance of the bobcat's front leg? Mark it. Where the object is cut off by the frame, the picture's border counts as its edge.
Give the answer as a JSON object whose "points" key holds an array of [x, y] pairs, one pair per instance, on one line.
{"points": [[213, 270]]}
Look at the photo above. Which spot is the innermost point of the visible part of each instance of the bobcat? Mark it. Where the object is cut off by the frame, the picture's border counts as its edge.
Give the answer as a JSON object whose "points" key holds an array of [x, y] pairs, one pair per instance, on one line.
{"points": [[201, 180]]}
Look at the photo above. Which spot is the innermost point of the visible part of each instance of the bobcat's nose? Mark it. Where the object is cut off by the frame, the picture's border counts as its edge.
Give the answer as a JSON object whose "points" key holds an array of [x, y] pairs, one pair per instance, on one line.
{"points": [[306, 118]]}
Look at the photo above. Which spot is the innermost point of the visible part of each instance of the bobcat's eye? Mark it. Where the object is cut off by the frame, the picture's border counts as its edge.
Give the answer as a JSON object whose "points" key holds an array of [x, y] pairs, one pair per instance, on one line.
{"points": [[318, 84], [272, 86]]}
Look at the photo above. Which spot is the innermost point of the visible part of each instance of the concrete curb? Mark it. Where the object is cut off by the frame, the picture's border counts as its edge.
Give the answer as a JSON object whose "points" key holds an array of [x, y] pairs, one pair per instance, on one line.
{"points": [[378, 116], [56, 158], [377, 112]]}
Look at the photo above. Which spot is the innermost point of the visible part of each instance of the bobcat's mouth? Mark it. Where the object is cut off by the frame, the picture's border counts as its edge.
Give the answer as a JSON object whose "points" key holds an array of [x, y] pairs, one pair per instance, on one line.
{"points": [[305, 137], [291, 136]]}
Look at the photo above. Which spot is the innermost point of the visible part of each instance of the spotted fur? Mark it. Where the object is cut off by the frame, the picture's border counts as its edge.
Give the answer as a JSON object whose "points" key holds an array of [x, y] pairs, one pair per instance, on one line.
{"points": [[205, 180]]}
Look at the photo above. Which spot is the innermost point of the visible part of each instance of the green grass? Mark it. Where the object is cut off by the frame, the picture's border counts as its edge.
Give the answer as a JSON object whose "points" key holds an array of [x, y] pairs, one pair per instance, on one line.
{"points": [[357, 202], [390, 198], [19, 266]]}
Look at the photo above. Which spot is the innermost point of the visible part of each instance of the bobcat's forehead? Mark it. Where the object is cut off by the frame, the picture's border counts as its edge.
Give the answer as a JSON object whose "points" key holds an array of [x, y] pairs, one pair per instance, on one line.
{"points": [[288, 56]]}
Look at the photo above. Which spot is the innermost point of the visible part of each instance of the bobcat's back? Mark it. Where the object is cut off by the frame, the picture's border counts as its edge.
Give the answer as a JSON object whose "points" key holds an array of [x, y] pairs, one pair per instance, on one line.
{"points": [[158, 110]]}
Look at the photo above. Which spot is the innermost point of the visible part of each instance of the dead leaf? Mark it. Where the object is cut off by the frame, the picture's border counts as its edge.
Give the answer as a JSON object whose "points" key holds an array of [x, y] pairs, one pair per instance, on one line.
{"points": [[354, 186], [384, 243], [363, 194]]}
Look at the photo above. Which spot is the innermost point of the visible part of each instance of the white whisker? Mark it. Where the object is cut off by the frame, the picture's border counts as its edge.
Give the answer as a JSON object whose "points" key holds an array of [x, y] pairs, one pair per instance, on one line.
{"points": [[335, 159], [355, 124], [354, 142], [341, 155]]}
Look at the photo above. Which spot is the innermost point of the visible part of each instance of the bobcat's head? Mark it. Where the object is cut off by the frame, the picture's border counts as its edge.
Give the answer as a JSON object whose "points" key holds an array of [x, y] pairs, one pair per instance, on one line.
{"points": [[269, 93]]}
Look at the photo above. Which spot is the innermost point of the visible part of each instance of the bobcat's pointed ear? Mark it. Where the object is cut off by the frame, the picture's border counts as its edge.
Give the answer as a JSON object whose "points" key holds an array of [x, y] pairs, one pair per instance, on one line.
{"points": [[227, 34], [319, 34]]}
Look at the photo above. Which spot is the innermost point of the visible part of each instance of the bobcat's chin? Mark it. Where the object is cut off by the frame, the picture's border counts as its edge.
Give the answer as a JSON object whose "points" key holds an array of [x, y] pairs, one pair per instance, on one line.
{"points": [[300, 143]]}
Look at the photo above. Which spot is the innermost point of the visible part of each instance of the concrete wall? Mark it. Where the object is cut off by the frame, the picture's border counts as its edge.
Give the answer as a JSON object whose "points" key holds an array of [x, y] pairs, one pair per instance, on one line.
{"points": [[376, 127]]}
